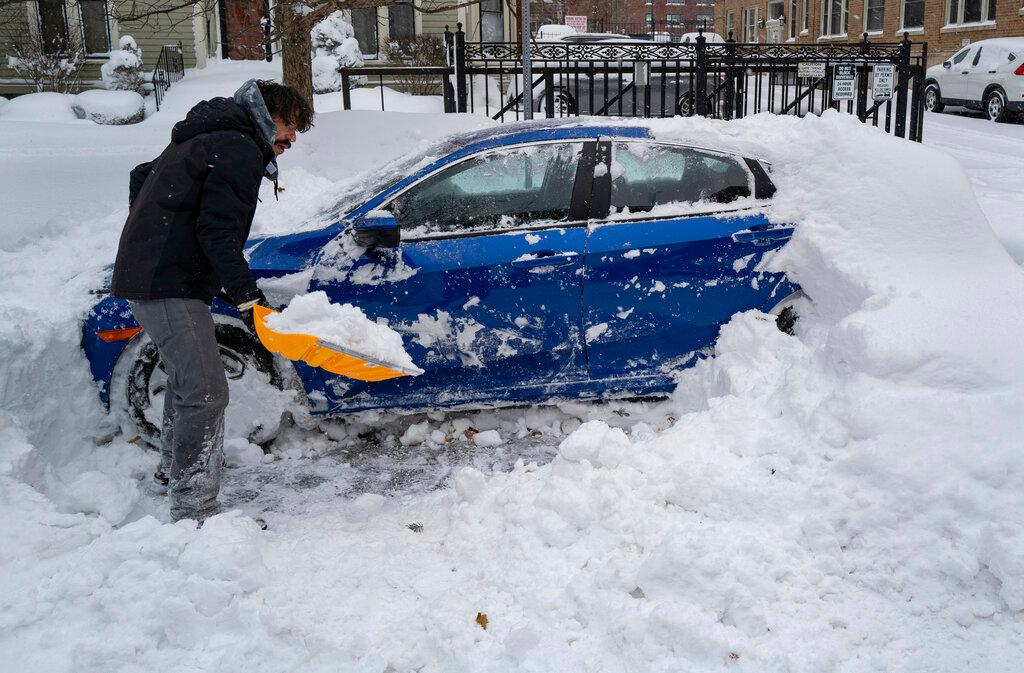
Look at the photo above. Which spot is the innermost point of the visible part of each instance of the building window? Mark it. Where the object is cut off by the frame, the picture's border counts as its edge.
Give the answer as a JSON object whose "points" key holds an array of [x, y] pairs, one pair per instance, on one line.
{"points": [[705, 21], [970, 11], [95, 28], [750, 24], [730, 24], [913, 14], [833, 17], [53, 24], [874, 15], [492, 23], [674, 19], [401, 21], [671, 2], [807, 16]]}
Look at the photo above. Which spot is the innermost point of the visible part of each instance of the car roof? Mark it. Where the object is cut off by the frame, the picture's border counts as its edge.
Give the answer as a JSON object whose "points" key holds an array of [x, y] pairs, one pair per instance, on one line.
{"points": [[552, 129], [1008, 42]]}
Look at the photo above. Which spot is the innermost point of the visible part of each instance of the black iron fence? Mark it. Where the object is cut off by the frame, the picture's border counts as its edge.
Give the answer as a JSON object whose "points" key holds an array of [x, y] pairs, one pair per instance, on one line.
{"points": [[170, 68], [882, 83]]}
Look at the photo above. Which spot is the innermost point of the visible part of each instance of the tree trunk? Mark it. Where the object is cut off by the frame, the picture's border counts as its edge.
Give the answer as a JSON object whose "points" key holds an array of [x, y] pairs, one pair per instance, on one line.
{"points": [[296, 63]]}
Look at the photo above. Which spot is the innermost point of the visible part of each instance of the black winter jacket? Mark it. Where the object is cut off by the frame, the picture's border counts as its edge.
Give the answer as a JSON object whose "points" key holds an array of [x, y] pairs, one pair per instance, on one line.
{"points": [[191, 209]]}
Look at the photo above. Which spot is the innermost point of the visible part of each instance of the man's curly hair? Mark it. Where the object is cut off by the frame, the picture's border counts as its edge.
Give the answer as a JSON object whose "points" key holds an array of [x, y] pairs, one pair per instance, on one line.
{"points": [[287, 103]]}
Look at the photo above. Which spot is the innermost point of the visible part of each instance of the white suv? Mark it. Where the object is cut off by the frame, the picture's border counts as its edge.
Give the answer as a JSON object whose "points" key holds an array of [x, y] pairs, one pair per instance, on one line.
{"points": [[987, 75]]}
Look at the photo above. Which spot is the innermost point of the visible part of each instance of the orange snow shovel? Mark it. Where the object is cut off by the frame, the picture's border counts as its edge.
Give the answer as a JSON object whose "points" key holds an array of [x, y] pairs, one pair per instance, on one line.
{"points": [[324, 354]]}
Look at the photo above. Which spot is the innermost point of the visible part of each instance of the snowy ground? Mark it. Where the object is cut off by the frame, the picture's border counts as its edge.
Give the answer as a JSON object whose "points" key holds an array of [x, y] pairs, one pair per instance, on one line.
{"points": [[851, 499]]}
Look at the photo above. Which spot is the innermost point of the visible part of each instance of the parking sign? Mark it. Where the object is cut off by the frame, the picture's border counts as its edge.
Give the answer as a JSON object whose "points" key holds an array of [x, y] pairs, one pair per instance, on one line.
{"points": [[883, 81]]}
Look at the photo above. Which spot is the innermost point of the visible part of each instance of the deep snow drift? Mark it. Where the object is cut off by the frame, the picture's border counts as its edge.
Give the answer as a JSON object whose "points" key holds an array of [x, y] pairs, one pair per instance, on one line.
{"points": [[851, 498]]}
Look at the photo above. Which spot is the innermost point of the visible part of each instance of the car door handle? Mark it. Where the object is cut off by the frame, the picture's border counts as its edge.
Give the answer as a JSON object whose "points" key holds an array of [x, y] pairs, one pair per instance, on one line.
{"points": [[543, 258], [763, 235]]}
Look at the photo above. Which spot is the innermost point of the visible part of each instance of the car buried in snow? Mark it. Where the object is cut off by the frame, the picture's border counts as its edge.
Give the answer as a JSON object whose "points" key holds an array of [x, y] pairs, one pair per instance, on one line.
{"points": [[563, 259]]}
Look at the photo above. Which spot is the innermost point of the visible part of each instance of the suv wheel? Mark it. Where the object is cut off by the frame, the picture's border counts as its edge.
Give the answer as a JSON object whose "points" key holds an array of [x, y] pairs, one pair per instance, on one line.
{"points": [[995, 106], [932, 98]]}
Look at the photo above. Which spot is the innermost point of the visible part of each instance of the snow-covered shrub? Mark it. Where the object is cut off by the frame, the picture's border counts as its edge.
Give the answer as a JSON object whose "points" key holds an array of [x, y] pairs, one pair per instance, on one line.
{"points": [[123, 72], [334, 46], [421, 50], [110, 107], [43, 106], [53, 67]]}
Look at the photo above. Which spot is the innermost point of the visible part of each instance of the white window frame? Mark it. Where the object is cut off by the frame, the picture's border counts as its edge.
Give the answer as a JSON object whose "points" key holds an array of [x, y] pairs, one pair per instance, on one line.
{"points": [[960, 15], [876, 31], [755, 10], [805, 23], [826, 31], [791, 20], [730, 23]]}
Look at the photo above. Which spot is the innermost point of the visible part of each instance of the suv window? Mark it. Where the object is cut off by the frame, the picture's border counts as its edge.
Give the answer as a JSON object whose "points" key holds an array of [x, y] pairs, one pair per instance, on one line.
{"points": [[645, 175], [961, 56], [498, 190]]}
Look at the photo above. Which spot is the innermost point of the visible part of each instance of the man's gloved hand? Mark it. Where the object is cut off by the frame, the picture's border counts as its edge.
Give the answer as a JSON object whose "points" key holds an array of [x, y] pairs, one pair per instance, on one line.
{"points": [[245, 309]]}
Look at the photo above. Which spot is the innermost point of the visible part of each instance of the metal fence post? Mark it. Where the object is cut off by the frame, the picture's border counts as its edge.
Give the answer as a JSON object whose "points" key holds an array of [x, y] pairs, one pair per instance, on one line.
{"points": [[346, 93], [917, 111], [447, 90], [730, 78], [460, 67], [902, 82], [549, 94], [862, 84], [701, 73]]}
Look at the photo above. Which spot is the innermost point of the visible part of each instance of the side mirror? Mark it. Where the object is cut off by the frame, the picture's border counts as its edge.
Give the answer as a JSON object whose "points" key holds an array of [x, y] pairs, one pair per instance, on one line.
{"points": [[947, 65], [376, 229]]}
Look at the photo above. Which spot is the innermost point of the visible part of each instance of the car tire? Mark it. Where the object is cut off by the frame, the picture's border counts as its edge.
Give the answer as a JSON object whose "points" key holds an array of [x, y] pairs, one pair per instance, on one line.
{"points": [[685, 106], [995, 106], [787, 312], [138, 382], [933, 98], [564, 104]]}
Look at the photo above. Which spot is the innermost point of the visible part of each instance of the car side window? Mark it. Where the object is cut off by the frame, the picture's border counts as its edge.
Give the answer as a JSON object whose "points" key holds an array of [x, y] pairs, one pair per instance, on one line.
{"points": [[498, 190], [647, 175], [962, 55]]}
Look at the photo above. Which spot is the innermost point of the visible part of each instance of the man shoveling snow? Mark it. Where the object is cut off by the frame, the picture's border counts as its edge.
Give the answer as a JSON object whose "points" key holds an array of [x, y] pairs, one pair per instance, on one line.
{"points": [[191, 211]]}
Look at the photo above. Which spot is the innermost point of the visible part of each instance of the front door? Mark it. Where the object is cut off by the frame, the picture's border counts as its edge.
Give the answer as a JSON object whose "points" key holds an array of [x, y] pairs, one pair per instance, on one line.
{"points": [[674, 259], [486, 284]]}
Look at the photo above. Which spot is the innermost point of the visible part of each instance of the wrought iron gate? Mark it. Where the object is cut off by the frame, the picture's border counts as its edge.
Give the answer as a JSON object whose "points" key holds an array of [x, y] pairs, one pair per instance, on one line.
{"points": [[881, 83]]}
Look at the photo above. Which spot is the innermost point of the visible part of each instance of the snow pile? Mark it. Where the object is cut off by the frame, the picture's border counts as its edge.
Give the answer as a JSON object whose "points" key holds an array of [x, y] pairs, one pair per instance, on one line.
{"points": [[38, 107], [342, 324], [334, 46], [110, 107], [848, 499]]}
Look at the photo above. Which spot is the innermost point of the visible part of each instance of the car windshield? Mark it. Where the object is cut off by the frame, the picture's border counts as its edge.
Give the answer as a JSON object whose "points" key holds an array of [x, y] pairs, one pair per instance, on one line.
{"points": [[369, 185]]}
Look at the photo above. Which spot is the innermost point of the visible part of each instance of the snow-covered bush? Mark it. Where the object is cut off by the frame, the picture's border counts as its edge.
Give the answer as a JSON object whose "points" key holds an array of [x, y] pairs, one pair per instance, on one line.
{"points": [[53, 67], [43, 106], [334, 46], [123, 72], [110, 107], [421, 50]]}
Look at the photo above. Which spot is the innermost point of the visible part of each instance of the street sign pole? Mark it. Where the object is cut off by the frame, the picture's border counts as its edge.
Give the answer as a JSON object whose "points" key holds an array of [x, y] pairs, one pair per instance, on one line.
{"points": [[524, 28]]}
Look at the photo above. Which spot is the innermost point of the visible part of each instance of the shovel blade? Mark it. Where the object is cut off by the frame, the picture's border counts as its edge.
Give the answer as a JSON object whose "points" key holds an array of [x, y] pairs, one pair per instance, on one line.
{"points": [[323, 354]]}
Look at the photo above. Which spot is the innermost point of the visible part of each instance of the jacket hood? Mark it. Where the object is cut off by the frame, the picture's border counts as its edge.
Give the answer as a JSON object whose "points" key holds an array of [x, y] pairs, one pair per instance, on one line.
{"points": [[223, 114]]}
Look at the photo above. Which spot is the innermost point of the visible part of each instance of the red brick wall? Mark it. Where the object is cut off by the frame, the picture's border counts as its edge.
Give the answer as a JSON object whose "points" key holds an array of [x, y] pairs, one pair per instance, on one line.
{"points": [[942, 42]]}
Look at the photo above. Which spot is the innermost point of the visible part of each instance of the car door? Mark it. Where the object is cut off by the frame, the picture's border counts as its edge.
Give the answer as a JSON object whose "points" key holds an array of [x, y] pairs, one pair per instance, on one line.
{"points": [[956, 83], [675, 257], [486, 284], [977, 74]]}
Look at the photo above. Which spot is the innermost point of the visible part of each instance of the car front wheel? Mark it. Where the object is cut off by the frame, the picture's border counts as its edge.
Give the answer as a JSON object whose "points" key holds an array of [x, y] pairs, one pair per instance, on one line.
{"points": [[995, 106], [257, 391], [932, 99]]}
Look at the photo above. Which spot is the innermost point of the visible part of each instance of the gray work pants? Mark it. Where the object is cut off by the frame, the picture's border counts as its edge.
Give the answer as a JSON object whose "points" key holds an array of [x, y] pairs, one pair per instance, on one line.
{"points": [[192, 437]]}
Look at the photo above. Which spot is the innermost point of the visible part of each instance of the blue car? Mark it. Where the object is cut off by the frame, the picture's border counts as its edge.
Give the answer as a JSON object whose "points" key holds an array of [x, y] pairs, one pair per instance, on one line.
{"points": [[521, 263]]}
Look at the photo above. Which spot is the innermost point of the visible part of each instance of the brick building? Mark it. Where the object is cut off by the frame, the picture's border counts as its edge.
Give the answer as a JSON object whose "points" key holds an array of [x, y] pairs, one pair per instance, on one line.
{"points": [[946, 25], [636, 17]]}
